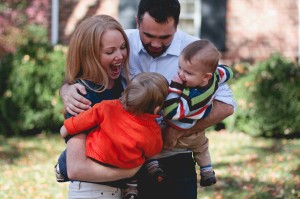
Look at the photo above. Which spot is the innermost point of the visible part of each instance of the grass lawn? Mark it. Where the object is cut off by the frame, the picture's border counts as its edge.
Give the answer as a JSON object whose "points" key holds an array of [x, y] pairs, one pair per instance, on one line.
{"points": [[246, 168]]}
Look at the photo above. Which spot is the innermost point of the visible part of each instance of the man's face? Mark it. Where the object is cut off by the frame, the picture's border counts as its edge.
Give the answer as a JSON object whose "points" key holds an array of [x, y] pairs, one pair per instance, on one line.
{"points": [[156, 37]]}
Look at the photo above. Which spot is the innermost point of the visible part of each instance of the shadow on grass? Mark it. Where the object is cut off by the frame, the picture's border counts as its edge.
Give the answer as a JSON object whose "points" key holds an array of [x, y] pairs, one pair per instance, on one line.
{"points": [[11, 152], [262, 169], [255, 188], [8, 155], [236, 188]]}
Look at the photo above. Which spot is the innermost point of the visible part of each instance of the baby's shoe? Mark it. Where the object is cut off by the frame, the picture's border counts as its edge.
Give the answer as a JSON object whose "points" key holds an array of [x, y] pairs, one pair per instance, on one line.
{"points": [[130, 192], [155, 172], [208, 178], [158, 176]]}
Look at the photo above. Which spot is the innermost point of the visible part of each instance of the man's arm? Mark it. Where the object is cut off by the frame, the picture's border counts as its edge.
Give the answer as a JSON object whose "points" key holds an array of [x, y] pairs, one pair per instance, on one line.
{"points": [[223, 106], [218, 113], [80, 167], [73, 101]]}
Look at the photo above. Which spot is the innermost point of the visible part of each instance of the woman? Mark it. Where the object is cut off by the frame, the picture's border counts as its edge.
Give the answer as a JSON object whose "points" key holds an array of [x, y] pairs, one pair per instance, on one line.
{"points": [[98, 53]]}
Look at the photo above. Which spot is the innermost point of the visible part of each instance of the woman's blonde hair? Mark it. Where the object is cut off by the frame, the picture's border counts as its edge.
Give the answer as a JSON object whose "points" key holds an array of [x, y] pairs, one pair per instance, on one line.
{"points": [[145, 92], [83, 61]]}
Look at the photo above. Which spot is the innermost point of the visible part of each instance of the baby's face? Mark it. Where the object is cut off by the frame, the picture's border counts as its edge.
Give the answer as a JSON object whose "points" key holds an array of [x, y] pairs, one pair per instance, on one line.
{"points": [[192, 73]]}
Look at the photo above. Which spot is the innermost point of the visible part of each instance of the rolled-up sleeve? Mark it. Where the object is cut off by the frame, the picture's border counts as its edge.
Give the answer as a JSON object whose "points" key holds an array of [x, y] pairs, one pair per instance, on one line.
{"points": [[224, 94]]}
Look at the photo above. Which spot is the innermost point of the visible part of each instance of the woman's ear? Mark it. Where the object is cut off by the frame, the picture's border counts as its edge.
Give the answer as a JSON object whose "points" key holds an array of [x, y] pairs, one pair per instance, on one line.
{"points": [[156, 110]]}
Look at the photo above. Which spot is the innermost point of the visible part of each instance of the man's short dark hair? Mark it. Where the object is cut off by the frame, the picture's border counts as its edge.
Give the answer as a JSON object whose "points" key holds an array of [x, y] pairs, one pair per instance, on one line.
{"points": [[160, 10]]}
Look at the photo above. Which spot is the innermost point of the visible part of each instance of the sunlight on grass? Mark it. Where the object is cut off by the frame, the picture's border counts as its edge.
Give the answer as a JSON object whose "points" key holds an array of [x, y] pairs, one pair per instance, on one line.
{"points": [[249, 167], [246, 168]]}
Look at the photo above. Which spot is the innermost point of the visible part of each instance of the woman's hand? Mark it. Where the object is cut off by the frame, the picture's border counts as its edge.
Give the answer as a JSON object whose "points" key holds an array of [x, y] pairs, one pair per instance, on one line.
{"points": [[74, 102], [82, 168]]}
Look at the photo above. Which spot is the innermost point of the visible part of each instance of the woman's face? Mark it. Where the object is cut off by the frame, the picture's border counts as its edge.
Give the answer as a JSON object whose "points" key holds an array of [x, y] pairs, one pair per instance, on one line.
{"points": [[113, 53]]}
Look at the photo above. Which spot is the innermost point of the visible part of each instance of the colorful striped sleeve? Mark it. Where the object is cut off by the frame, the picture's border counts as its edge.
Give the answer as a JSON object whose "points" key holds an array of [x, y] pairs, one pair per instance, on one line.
{"points": [[225, 73]]}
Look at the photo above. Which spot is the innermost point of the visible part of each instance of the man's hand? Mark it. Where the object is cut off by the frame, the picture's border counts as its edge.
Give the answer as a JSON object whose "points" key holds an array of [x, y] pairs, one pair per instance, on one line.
{"points": [[170, 137], [73, 101], [218, 113], [63, 131]]}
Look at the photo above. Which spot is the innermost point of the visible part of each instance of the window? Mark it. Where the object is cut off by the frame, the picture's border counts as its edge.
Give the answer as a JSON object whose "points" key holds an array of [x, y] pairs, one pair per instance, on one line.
{"points": [[205, 19], [213, 26], [190, 16]]}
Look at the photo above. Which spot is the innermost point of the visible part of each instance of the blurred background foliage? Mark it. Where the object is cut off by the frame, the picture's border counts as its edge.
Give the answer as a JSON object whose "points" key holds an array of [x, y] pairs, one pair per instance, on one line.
{"points": [[267, 93], [268, 98], [32, 71], [30, 81]]}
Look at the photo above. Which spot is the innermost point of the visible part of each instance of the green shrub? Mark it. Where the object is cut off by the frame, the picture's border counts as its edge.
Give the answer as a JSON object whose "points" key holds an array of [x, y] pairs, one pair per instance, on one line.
{"points": [[30, 100], [268, 99]]}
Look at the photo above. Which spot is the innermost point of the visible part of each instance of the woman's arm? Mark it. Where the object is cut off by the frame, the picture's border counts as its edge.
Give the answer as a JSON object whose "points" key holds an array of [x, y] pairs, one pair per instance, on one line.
{"points": [[73, 101], [80, 167]]}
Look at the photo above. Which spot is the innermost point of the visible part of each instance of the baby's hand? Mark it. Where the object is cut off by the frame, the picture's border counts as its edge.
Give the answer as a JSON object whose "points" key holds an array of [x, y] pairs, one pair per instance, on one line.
{"points": [[177, 79], [63, 131]]}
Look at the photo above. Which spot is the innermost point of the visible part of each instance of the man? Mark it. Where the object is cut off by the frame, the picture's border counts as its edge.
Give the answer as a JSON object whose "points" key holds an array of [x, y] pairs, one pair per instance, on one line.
{"points": [[155, 46]]}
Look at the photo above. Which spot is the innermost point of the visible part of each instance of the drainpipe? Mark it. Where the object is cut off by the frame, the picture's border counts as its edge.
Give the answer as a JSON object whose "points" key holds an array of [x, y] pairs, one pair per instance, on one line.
{"points": [[54, 22], [298, 31], [198, 17]]}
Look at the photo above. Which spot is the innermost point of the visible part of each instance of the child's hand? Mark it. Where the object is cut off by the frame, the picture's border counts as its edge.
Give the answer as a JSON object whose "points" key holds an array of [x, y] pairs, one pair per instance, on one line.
{"points": [[177, 79], [63, 131]]}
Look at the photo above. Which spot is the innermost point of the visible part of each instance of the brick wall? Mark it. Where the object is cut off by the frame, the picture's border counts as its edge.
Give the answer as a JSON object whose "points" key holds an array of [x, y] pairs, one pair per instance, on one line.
{"points": [[255, 29], [72, 12], [12, 17]]}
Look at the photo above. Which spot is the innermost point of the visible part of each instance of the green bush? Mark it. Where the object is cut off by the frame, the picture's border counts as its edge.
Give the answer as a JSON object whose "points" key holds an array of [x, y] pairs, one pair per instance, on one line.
{"points": [[30, 85], [268, 99]]}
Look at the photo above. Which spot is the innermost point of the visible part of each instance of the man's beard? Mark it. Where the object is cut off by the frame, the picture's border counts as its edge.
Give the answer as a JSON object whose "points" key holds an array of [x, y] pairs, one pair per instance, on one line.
{"points": [[155, 54]]}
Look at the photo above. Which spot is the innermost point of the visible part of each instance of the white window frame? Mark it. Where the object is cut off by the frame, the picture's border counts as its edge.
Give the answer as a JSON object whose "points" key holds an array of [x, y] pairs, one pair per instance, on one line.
{"points": [[195, 17]]}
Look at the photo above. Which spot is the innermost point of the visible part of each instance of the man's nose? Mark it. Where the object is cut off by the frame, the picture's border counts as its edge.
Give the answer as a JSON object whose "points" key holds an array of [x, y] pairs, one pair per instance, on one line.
{"points": [[156, 43]]}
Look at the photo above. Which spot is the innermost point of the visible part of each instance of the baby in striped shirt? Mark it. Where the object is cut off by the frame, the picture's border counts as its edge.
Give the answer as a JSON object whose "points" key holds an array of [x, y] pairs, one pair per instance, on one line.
{"points": [[191, 95]]}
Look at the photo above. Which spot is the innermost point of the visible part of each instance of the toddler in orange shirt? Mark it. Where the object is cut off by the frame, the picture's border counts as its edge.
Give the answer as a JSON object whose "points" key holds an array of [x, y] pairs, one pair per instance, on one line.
{"points": [[124, 131]]}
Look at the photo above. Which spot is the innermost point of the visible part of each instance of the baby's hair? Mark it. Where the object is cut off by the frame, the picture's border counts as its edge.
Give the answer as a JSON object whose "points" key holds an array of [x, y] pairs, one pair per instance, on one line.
{"points": [[83, 60], [206, 52], [145, 92]]}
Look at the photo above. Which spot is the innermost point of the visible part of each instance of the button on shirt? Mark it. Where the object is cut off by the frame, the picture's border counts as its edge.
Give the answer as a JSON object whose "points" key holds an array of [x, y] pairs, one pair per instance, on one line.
{"points": [[167, 63]]}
